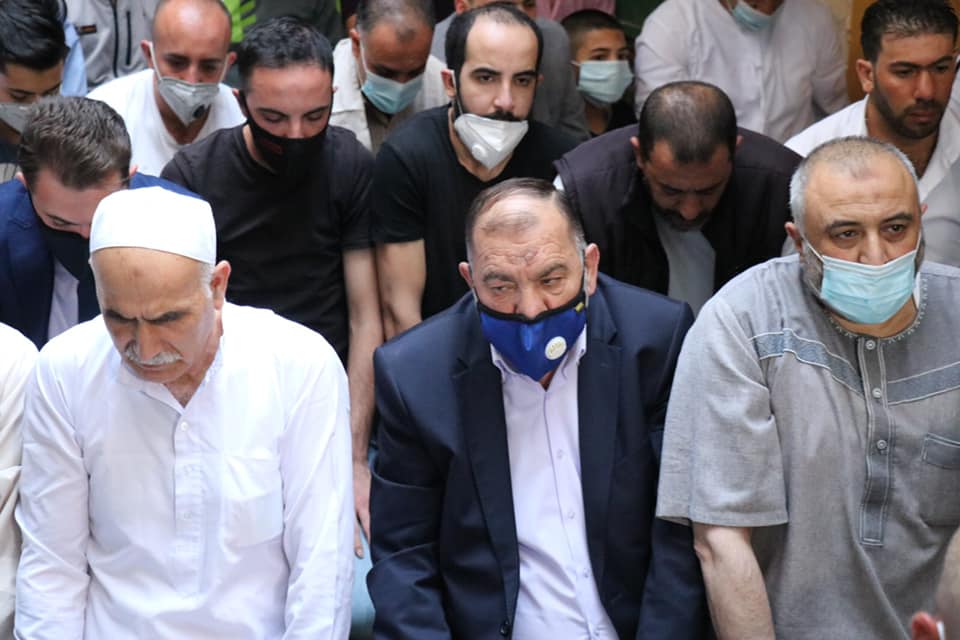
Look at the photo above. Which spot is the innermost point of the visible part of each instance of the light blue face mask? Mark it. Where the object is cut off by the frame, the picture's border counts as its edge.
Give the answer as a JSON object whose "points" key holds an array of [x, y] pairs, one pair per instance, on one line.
{"points": [[389, 96], [864, 293], [604, 80], [749, 18]]}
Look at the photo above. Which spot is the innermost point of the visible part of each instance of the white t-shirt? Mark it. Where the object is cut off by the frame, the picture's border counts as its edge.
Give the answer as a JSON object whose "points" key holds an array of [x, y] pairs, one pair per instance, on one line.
{"points": [[153, 146], [780, 79]]}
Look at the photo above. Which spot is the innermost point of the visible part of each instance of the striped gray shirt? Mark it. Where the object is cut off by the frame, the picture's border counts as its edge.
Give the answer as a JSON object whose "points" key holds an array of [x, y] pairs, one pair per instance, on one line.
{"points": [[842, 451]]}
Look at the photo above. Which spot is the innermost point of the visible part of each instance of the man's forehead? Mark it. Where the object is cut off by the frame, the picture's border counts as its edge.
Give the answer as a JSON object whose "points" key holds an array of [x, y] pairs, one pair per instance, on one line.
{"points": [[17, 77], [878, 189], [489, 40], [921, 49]]}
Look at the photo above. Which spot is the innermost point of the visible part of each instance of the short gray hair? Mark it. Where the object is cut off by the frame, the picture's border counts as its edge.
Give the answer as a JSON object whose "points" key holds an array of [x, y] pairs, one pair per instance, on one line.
{"points": [[851, 155]]}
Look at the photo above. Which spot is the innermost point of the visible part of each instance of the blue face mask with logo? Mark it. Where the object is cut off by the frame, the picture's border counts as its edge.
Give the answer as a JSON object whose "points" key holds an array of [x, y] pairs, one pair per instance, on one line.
{"points": [[864, 293], [389, 96], [749, 18], [535, 347]]}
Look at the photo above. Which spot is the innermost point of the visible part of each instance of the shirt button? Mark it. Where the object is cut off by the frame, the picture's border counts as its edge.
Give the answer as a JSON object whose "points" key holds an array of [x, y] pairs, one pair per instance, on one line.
{"points": [[560, 454], [870, 345], [586, 573], [184, 426], [570, 515], [882, 445], [877, 393]]}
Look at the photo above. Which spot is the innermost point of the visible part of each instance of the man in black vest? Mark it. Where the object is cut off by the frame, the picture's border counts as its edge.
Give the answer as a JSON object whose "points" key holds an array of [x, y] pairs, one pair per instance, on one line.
{"points": [[686, 201]]}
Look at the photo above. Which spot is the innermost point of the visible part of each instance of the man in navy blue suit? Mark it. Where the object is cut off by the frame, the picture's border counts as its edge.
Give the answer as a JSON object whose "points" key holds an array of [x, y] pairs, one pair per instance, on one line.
{"points": [[73, 153], [514, 488]]}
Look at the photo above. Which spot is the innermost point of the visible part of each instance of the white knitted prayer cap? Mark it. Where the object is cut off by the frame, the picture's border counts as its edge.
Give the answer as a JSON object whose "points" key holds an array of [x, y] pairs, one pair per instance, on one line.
{"points": [[155, 218]]}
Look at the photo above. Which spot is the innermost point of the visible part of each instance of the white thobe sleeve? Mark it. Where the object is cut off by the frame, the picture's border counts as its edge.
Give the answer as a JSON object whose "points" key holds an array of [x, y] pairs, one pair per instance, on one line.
{"points": [[662, 55], [830, 76], [315, 465], [53, 515], [16, 363]]}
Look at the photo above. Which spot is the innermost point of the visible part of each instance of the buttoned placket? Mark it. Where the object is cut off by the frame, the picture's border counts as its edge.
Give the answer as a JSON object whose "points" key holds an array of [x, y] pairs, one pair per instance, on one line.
{"points": [[879, 441]]}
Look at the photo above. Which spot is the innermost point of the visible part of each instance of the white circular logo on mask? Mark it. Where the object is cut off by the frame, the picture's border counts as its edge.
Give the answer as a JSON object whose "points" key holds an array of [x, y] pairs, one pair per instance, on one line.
{"points": [[555, 348]]}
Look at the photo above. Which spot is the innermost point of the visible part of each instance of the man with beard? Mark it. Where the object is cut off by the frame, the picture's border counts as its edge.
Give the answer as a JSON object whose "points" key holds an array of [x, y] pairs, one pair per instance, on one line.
{"points": [[907, 72], [685, 201], [429, 171]]}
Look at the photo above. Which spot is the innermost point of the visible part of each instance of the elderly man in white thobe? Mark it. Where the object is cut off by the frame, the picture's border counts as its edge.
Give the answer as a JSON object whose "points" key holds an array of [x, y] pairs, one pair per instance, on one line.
{"points": [[186, 462]]}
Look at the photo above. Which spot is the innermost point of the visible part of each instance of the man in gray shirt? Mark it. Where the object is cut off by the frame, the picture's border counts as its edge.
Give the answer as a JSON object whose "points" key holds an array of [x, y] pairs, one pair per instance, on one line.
{"points": [[812, 438]]}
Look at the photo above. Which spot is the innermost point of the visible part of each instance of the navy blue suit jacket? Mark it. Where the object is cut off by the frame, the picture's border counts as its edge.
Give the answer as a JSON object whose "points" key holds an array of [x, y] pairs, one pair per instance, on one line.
{"points": [[26, 264], [444, 542]]}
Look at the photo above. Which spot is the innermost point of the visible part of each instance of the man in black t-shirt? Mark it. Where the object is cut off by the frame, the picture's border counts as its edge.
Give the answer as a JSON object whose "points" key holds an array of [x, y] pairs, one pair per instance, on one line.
{"points": [[429, 171], [290, 198]]}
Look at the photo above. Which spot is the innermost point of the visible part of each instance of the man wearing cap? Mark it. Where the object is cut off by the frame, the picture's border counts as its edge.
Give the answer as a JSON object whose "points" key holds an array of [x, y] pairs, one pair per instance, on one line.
{"points": [[205, 492]]}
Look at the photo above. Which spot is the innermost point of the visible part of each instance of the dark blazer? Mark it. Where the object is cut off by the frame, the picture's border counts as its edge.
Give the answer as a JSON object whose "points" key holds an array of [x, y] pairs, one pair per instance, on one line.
{"points": [[444, 537], [606, 188], [26, 264]]}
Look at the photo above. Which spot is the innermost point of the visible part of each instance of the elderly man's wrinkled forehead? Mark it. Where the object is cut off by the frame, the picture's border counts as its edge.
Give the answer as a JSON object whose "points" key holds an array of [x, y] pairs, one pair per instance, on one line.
{"points": [[520, 216]]}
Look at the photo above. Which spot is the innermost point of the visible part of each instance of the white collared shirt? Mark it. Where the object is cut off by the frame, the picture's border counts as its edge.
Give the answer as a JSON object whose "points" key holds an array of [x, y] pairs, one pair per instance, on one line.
{"points": [[231, 517], [558, 595], [780, 79], [64, 302], [939, 186]]}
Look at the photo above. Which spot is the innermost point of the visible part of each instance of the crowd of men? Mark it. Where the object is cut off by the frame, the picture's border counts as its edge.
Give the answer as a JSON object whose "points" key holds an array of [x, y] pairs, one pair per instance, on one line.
{"points": [[478, 323]]}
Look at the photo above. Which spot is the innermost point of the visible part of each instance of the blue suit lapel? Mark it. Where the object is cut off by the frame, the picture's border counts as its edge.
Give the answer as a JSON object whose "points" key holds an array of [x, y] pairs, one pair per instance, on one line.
{"points": [[598, 392], [480, 406], [31, 269]]}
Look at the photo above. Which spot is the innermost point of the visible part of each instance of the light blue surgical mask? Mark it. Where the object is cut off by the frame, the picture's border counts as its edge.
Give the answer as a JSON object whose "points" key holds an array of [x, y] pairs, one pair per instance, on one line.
{"points": [[749, 18], [604, 80], [389, 96], [864, 293]]}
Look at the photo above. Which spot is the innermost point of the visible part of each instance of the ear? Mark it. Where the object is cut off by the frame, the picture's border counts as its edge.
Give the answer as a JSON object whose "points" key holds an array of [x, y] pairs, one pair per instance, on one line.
{"points": [[448, 83], [576, 71], [355, 43], [231, 58], [218, 283], [591, 262], [923, 626], [865, 75], [459, 6], [464, 268], [19, 176], [133, 170], [241, 102], [145, 49], [794, 232], [923, 209], [635, 143], [739, 140]]}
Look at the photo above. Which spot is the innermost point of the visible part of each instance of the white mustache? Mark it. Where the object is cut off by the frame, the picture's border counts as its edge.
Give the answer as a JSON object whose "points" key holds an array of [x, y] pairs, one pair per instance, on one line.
{"points": [[162, 358]]}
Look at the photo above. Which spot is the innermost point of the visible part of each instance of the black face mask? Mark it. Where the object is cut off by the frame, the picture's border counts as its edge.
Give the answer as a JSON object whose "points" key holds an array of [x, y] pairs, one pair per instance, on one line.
{"points": [[289, 158], [70, 249]]}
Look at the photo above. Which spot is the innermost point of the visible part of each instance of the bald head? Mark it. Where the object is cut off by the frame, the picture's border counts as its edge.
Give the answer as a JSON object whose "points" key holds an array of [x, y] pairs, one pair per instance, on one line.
{"points": [[693, 118], [188, 30]]}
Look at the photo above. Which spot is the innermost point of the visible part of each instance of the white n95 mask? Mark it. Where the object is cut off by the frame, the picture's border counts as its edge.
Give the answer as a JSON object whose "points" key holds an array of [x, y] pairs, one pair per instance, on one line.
{"points": [[15, 114], [489, 141], [187, 100]]}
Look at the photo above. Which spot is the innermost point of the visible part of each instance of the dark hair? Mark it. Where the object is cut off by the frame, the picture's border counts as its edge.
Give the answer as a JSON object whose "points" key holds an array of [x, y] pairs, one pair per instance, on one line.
{"points": [[695, 118], [904, 18], [282, 42], [405, 13], [80, 141], [31, 34], [455, 46], [530, 187], [579, 23]]}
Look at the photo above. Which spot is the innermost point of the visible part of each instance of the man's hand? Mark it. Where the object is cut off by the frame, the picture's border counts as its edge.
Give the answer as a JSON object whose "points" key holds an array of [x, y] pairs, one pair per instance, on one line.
{"points": [[361, 503]]}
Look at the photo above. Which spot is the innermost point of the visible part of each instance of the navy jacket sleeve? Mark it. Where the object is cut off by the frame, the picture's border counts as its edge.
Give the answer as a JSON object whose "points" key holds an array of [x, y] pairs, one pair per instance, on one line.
{"points": [[405, 583]]}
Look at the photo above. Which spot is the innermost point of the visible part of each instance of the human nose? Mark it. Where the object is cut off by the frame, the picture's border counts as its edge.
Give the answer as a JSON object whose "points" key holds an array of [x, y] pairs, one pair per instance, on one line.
{"points": [[504, 98], [147, 342], [690, 206], [924, 89], [530, 304], [84, 231], [873, 251]]}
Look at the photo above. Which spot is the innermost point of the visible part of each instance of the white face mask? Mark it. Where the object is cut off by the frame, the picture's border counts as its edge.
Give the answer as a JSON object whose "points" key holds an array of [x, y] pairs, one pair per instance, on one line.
{"points": [[489, 141], [15, 115], [187, 100]]}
